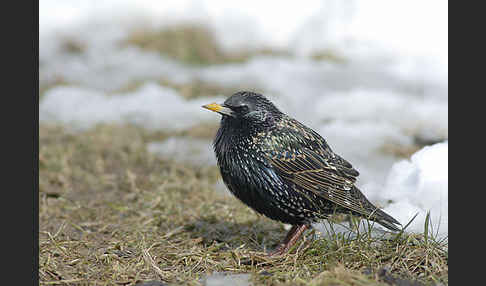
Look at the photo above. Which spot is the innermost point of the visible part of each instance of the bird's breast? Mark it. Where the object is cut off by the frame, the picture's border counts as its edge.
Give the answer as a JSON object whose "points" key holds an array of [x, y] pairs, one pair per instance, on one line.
{"points": [[239, 158]]}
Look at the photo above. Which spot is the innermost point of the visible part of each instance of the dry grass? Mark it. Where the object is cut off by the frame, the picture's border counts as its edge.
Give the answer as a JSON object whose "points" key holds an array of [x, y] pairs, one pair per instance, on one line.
{"points": [[191, 44], [110, 213], [406, 151], [328, 55]]}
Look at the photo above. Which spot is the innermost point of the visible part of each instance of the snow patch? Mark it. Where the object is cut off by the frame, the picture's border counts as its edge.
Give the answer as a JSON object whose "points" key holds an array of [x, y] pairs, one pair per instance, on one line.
{"points": [[191, 150], [420, 185], [151, 106]]}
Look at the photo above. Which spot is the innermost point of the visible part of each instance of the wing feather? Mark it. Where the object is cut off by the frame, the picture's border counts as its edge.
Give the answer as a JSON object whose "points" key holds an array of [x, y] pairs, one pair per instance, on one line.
{"points": [[311, 166]]}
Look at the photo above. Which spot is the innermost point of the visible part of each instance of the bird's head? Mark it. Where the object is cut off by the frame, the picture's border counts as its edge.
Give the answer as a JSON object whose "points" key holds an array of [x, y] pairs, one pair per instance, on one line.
{"points": [[246, 106]]}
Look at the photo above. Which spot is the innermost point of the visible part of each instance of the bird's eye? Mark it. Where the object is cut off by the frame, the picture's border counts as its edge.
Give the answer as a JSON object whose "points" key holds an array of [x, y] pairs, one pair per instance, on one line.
{"points": [[241, 108]]}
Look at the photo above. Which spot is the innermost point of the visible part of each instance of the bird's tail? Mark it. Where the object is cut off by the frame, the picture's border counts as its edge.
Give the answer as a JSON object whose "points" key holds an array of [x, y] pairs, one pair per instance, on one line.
{"points": [[375, 214], [385, 220]]}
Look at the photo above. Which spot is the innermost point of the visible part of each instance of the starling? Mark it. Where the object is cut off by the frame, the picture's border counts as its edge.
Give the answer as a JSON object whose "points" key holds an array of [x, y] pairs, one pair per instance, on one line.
{"points": [[284, 169]]}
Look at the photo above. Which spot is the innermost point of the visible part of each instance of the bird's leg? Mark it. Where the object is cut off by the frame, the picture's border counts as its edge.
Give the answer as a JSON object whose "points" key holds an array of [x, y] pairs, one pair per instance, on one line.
{"points": [[292, 237]]}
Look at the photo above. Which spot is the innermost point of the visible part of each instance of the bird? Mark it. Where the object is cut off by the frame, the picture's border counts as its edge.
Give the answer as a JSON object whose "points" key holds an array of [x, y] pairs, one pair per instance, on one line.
{"points": [[285, 170]]}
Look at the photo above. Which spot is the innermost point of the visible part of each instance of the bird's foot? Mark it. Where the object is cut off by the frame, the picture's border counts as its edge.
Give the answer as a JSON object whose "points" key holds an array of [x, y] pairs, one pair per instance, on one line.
{"points": [[281, 249], [292, 237]]}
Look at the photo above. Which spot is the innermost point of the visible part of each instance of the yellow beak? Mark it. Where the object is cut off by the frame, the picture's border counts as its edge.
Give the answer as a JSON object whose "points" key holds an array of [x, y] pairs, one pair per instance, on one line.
{"points": [[219, 109], [213, 107]]}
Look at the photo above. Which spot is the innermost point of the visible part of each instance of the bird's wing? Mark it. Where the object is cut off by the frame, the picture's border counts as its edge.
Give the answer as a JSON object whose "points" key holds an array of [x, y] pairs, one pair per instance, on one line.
{"points": [[305, 160]]}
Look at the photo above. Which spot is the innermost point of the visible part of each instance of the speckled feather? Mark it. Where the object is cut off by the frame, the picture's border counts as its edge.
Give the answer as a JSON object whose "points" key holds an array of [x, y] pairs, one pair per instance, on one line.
{"points": [[283, 169]]}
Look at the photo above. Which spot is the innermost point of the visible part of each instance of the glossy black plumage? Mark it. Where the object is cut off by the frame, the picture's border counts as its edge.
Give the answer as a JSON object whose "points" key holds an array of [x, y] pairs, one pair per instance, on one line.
{"points": [[283, 169]]}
